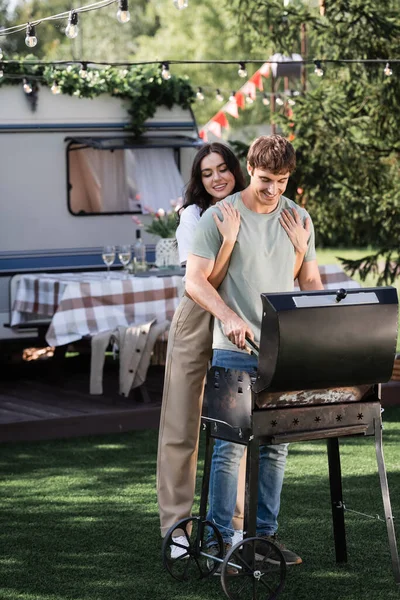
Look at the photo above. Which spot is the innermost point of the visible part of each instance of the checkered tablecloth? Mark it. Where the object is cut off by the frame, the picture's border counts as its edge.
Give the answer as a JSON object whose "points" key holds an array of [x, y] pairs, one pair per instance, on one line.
{"points": [[81, 304]]}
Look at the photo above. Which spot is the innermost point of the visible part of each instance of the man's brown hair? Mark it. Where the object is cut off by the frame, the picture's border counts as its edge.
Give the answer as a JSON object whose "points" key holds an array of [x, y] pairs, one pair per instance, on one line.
{"points": [[272, 153]]}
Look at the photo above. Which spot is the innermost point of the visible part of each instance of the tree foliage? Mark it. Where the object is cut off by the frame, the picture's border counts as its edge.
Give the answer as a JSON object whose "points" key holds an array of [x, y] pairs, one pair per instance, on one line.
{"points": [[206, 30], [156, 31], [101, 37], [345, 127]]}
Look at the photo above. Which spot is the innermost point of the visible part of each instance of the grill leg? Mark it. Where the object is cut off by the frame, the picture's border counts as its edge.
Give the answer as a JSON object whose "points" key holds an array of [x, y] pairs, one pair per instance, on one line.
{"points": [[386, 500], [205, 485], [251, 490], [335, 482]]}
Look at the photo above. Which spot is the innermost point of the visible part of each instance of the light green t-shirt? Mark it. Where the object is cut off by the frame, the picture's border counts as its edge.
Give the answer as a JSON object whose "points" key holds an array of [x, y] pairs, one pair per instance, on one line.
{"points": [[262, 261]]}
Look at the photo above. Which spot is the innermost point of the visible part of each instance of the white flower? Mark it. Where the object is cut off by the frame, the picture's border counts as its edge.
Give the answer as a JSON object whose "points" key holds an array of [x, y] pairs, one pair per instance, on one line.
{"points": [[161, 212]]}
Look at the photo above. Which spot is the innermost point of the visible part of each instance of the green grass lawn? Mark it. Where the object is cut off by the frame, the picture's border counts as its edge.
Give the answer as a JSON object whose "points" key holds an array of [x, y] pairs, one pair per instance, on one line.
{"points": [[329, 256], [79, 521]]}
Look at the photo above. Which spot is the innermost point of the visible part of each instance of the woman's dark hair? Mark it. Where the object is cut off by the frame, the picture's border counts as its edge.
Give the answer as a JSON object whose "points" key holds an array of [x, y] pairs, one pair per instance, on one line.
{"points": [[195, 192]]}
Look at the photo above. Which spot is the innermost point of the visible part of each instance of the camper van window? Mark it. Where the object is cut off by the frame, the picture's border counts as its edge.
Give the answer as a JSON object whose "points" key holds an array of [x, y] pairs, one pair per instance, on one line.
{"points": [[134, 180]]}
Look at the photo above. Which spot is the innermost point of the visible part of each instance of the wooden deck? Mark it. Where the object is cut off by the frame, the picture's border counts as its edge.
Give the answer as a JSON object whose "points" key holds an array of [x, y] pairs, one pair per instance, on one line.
{"points": [[49, 399]]}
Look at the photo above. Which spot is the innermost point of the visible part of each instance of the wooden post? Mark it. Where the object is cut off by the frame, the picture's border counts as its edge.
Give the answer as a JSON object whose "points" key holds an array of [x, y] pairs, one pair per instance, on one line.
{"points": [[273, 125], [303, 46]]}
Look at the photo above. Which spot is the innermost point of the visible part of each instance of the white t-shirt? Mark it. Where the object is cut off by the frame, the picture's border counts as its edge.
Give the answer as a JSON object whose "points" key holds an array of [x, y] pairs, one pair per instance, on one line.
{"points": [[186, 229]]}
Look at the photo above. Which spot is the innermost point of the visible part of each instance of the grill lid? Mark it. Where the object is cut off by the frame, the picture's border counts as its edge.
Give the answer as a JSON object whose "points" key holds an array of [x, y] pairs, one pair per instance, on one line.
{"points": [[316, 340]]}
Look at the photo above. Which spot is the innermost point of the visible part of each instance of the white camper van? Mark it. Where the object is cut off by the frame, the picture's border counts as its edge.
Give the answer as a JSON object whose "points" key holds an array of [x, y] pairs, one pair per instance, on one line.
{"points": [[71, 175]]}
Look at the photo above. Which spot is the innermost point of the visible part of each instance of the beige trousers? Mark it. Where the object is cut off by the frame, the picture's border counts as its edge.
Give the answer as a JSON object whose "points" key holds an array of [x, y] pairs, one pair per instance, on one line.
{"points": [[188, 352]]}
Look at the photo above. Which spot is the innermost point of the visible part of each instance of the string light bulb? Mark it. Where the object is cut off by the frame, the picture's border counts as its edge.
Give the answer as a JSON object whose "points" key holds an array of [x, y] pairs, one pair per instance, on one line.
{"points": [[31, 39], [279, 101], [291, 101], [387, 70], [55, 88], [72, 29], [318, 69], [83, 72], [27, 87], [232, 97], [181, 4], [165, 72], [199, 94], [242, 71], [249, 99], [218, 95], [123, 14], [265, 100]]}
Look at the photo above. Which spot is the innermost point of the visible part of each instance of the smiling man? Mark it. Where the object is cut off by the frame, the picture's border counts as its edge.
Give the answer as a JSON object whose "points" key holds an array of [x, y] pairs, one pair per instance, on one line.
{"points": [[263, 260]]}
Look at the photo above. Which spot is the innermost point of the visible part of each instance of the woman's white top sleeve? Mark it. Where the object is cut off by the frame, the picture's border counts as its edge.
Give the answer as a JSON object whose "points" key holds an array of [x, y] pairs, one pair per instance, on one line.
{"points": [[185, 231]]}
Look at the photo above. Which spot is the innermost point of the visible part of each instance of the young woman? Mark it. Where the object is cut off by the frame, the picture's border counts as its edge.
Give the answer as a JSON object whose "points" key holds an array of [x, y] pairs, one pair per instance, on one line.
{"points": [[216, 174]]}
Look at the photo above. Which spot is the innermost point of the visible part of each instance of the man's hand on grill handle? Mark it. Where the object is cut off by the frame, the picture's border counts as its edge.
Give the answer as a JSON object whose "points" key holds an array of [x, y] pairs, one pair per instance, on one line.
{"points": [[236, 330]]}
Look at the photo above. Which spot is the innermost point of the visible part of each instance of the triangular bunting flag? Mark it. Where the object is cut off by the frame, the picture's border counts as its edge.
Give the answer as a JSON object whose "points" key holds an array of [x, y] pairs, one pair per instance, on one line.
{"points": [[249, 89], [231, 108], [221, 119], [203, 135], [257, 80], [240, 101], [265, 69], [215, 128]]}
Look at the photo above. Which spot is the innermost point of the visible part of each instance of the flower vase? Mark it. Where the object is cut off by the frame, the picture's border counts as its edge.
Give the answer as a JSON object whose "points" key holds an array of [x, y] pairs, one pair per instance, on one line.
{"points": [[167, 253]]}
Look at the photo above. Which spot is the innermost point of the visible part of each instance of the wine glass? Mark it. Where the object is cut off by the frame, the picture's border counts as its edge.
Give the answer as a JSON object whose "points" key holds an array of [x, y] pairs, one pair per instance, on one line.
{"points": [[125, 255], [108, 256]]}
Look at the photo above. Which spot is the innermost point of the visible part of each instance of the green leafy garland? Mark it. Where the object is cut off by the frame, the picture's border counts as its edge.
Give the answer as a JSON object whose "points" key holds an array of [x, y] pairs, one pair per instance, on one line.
{"points": [[142, 85]]}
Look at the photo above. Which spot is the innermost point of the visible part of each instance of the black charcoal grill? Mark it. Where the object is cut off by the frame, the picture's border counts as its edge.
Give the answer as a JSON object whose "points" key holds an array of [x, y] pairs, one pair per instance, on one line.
{"points": [[322, 358]]}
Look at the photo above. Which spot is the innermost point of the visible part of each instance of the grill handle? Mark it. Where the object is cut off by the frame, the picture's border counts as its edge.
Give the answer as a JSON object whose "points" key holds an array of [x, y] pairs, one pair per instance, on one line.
{"points": [[254, 349]]}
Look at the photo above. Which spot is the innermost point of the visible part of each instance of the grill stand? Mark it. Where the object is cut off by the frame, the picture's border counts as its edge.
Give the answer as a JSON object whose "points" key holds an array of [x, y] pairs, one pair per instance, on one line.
{"points": [[338, 508], [304, 423], [251, 489], [335, 484], [386, 501]]}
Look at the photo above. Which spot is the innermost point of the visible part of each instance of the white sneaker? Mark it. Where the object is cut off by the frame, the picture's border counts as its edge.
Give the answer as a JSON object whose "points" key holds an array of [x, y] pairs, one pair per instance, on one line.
{"points": [[237, 536], [178, 551]]}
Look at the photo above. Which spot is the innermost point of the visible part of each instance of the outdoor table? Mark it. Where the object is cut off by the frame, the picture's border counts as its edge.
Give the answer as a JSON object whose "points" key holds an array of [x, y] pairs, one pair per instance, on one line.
{"points": [[83, 304]]}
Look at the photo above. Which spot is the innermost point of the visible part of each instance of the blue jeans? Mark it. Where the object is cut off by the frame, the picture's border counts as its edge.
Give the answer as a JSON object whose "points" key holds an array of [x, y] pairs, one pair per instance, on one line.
{"points": [[225, 467]]}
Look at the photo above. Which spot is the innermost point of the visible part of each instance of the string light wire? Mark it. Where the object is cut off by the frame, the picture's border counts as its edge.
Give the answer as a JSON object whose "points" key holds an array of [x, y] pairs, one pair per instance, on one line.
{"points": [[64, 15], [104, 3], [169, 62]]}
